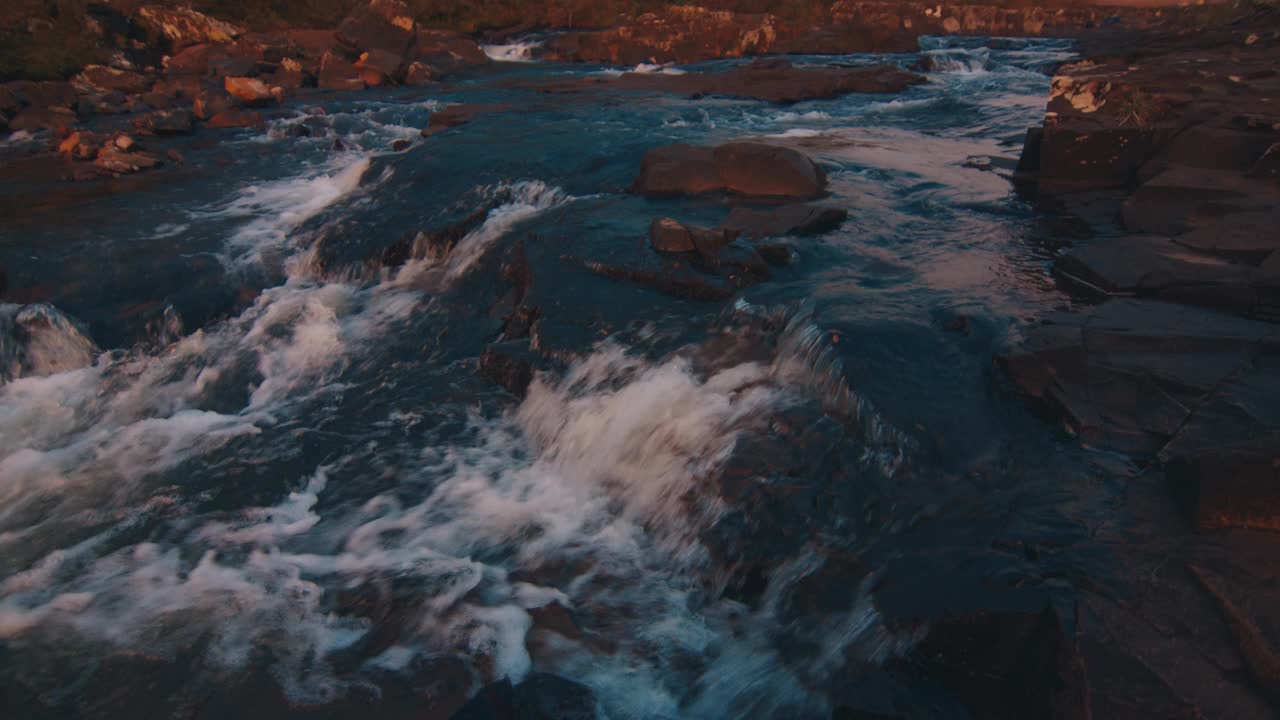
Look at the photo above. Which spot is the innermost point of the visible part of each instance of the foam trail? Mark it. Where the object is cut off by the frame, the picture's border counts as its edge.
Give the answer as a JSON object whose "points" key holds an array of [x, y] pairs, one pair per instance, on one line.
{"points": [[517, 51], [528, 199], [279, 207]]}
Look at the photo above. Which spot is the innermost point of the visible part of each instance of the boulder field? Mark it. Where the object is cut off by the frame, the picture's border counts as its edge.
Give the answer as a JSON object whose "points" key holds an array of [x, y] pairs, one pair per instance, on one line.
{"points": [[174, 70]]}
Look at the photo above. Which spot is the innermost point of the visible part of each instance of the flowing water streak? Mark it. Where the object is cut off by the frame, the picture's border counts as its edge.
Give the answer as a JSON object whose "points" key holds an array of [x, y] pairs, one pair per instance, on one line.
{"points": [[527, 199], [279, 207]]}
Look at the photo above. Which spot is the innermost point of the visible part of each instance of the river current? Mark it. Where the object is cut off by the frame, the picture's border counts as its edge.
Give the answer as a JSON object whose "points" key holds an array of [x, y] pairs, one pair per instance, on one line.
{"points": [[224, 464]]}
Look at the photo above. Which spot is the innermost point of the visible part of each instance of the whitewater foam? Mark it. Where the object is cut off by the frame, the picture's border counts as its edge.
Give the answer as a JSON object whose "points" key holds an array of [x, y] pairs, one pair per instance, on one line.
{"points": [[520, 50]]}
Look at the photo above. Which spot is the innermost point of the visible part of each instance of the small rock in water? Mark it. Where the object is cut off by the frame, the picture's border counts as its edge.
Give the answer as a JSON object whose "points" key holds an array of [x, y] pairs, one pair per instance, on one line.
{"points": [[250, 91], [400, 145], [668, 235]]}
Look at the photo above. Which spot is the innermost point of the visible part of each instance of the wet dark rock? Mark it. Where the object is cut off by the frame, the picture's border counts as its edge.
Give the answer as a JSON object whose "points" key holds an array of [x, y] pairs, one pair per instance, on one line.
{"points": [[122, 162], [998, 640], [1074, 160], [1223, 465], [1267, 166], [743, 168], [1153, 266], [380, 67], [1247, 237], [667, 235], [251, 92], [736, 261], [175, 28], [1182, 198], [401, 145], [32, 119], [1208, 146], [193, 60], [290, 75], [711, 243], [458, 115], [40, 95], [167, 122], [776, 253], [385, 25], [234, 65], [510, 364], [541, 696], [445, 53], [109, 79], [417, 75], [211, 102], [800, 219], [337, 73], [674, 276], [775, 80], [233, 118]]}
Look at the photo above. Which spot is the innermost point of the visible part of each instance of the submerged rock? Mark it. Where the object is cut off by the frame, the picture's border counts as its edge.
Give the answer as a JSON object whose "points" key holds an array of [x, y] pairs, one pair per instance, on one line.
{"points": [[776, 80], [457, 115], [541, 696], [800, 219]]}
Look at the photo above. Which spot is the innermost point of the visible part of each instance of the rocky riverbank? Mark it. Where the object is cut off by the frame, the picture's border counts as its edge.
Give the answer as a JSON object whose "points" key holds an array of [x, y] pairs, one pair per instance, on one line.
{"points": [[1156, 169], [174, 70]]}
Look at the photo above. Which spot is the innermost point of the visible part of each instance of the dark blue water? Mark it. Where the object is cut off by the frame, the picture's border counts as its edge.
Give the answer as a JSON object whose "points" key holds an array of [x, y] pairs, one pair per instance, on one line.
{"points": [[258, 438]]}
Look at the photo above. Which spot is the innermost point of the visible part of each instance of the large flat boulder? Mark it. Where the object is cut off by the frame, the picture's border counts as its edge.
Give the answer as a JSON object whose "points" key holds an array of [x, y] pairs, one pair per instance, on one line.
{"points": [[1248, 237], [1182, 198], [1158, 267], [742, 168], [1125, 375]]}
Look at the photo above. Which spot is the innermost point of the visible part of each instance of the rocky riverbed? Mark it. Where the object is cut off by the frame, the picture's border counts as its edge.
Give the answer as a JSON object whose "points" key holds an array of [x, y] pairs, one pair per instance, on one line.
{"points": [[373, 370]]}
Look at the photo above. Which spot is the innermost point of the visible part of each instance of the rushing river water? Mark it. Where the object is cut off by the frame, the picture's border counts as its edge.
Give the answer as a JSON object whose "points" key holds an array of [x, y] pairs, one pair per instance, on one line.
{"points": [[253, 468]]}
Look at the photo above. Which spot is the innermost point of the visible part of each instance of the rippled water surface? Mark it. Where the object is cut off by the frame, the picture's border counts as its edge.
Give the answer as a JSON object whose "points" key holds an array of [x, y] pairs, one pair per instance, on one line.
{"points": [[250, 465]]}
